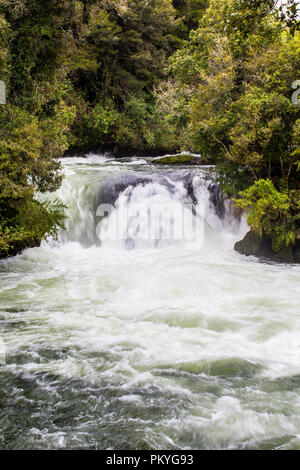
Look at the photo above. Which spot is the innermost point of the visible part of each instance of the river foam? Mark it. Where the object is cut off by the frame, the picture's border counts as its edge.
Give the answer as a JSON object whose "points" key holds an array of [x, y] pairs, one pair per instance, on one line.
{"points": [[146, 344]]}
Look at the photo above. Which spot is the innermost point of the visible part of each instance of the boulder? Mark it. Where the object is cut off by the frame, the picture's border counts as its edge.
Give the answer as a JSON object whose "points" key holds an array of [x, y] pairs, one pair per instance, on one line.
{"points": [[250, 245], [261, 247]]}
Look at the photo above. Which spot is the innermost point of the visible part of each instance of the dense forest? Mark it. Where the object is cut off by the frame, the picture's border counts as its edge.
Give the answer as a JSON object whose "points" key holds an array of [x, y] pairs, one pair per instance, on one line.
{"points": [[213, 77]]}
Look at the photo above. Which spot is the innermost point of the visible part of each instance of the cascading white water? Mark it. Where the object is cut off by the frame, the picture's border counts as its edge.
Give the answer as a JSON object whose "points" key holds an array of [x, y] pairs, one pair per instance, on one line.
{"points": [[113, 339], [152, 216], [148, 210]]}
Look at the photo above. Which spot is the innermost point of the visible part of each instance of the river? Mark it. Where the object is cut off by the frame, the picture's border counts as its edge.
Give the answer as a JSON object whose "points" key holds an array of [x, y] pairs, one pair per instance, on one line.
{"points": [[111, 339]]}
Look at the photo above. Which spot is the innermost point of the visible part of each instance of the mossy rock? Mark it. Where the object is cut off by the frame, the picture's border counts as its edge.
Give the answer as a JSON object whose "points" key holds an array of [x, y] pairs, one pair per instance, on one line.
{"points": [[261, 247], [181, 159]]}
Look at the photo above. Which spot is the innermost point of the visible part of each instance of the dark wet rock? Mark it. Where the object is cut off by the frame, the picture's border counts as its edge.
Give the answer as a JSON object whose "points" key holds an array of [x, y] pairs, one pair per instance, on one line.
{"points": [[250, 245], [217, 199], [190, 189], [112, 189], [187, 179], [261, 247], [297, 251], [110, 192]]}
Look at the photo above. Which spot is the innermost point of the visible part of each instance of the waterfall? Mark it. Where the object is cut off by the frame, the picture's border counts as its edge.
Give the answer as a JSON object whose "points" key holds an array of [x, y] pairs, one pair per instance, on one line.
{"points": [[151, 209]]}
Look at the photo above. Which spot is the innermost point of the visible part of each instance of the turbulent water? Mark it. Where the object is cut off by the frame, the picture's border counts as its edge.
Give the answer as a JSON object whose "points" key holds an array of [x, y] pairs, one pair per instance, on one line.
{"points": [[122, 335]]}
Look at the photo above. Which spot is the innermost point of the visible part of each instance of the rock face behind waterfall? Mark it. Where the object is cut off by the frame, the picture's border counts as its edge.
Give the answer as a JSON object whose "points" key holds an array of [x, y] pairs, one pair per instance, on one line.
{"points": [[110, 192], [217, 199], [261, 247], [159, 209]]}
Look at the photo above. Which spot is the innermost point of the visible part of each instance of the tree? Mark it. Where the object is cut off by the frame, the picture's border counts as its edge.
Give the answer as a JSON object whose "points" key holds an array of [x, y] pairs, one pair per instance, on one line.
{"points": [[35, 122], [240, 68]]}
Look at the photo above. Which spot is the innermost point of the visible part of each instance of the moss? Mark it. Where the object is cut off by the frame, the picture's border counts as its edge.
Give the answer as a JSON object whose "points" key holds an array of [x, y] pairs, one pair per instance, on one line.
{"points": [[178, 160]]}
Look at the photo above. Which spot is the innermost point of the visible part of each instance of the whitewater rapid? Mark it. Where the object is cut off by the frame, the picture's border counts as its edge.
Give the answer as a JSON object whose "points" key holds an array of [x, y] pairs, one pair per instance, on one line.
{"points": [[113, 340]]}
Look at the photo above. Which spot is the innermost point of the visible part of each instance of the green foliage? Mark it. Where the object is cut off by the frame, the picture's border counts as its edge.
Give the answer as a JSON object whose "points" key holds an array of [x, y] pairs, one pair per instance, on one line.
{"points": [[101, 59], [232, 177], [24, 169], [9, 237], [273, 213], [34, 124], [129, 42], [98, 125], [190, 12], [261, 136], [237, 69], [4, 51], [31, 223]]}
